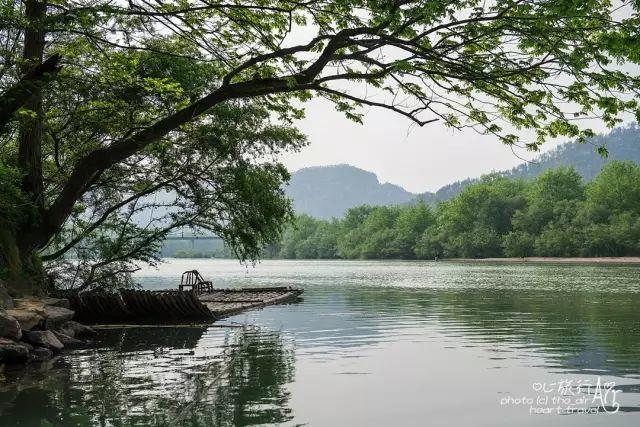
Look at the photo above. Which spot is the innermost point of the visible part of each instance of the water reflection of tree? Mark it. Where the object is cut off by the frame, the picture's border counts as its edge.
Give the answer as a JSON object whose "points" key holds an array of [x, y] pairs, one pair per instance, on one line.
{"points": [[577, 329], [158, 377], [251, 390]]}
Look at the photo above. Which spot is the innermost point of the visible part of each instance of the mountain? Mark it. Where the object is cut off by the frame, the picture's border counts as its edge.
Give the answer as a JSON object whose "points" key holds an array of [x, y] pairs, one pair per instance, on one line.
{"points": [[621, 143], [328, 191]]}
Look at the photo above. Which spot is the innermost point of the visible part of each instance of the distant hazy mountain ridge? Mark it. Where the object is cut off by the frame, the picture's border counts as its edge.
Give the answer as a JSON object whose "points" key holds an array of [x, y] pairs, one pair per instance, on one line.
{"points": [[328, 191], [621, 143]]}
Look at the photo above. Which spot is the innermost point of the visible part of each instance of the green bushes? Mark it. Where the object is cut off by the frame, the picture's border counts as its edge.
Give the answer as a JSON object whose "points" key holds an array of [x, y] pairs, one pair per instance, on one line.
{"points": [[553, 215]]}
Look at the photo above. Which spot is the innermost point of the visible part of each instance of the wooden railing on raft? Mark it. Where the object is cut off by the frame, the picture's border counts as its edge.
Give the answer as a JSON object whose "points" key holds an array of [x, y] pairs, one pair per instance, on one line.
{"points": [[194, 280]]}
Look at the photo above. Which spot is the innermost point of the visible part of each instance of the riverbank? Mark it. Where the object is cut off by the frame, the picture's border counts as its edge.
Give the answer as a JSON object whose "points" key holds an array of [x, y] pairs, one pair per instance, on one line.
{"points": [[36, 329], [550, 260]]}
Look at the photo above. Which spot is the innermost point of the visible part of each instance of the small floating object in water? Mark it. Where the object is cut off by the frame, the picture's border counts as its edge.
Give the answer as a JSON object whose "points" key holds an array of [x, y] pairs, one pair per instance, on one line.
{"points": [[201, 301]]}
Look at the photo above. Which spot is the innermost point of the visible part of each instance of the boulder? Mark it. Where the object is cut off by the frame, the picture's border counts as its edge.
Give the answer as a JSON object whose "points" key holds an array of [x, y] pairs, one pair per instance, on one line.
{"points": [[77, 330], [43, 339], [9, 326], [30, 304], [56, 316], [57, 302], [40, 354], [13, 352], [69, 341], [26, 318]]}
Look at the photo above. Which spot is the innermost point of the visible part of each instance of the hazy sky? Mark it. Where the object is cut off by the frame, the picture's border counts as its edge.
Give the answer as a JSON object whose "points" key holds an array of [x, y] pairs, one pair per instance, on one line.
{"points": [[417, 158]]}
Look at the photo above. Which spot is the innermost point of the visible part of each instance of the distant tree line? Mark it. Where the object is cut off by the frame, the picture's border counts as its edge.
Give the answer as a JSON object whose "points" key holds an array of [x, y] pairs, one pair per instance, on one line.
{"points": [[555, 214]]}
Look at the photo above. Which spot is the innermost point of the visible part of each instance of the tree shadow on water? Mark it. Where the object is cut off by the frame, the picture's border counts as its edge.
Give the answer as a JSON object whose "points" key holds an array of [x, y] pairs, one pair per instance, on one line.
{"points": [[179, 376]]}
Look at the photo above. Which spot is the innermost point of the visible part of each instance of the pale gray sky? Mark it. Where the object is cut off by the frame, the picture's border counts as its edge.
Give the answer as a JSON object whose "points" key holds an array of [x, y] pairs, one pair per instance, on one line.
{"points": [[417, 158], [397, 151]]}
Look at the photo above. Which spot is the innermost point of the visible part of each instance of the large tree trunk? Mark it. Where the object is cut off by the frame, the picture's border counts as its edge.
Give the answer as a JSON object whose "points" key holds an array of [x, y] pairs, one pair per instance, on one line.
{"points": [[24, 268], [30, 138], [30, 276]]}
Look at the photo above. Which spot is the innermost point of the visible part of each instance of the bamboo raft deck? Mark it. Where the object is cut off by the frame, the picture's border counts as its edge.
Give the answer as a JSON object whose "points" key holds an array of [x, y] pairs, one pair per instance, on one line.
{"points": [[176, 305], [227, 302]]}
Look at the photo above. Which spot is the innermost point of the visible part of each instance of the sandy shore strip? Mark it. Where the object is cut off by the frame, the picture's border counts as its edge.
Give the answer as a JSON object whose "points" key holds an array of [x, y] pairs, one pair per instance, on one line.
{"points": [[550, 260]]}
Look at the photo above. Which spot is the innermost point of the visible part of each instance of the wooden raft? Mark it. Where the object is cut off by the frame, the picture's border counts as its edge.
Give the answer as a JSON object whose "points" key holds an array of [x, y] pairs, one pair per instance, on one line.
{"points": [[226, 302], [175, 305]]}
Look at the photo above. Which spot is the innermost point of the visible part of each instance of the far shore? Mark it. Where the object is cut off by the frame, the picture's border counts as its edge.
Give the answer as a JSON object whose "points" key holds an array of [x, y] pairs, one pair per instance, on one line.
{"points": [[629, 260], [552, 260]]}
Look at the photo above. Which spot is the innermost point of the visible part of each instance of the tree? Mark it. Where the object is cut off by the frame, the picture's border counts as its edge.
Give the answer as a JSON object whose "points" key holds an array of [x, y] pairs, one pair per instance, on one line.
{"points": [[620, 236], [297, 240], [610, 214], [325, 239], [351, 232], [562, 236], [409, 226], [372, 237], [472, 224], [518, 244], [143, 80], [553, 185], [615, 189], [554, 188]]}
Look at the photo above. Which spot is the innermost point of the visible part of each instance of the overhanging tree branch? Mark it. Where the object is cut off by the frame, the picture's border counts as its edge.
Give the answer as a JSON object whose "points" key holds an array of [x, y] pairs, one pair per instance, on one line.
{"points": [[20, 93]]}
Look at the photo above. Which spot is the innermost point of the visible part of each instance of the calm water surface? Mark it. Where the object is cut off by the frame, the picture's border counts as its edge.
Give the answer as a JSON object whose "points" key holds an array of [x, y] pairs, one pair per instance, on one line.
{"points": [[371, 344]]}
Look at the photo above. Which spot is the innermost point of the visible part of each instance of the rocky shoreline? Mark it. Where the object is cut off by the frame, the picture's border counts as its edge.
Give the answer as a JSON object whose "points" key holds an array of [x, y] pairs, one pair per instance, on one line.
{"points": [[35, 329]]}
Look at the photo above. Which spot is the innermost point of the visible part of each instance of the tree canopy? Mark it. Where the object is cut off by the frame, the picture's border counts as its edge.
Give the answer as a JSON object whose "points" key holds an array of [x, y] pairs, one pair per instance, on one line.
{"points": [[106, 104]]}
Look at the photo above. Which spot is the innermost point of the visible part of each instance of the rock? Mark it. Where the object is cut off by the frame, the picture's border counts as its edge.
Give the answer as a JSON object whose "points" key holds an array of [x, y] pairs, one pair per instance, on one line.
{"points": [[47, 312], [57, 302], [40, 354], [26, 318], [30, 304], [43, 339], [13, 352], [56, 316], [29, 312], [69, 341], [77, 330], [9, 326]]}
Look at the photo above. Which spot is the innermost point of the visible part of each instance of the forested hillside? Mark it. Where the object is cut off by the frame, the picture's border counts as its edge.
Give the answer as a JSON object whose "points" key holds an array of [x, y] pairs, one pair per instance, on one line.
{"points": [[621, 144], [555, 214]]}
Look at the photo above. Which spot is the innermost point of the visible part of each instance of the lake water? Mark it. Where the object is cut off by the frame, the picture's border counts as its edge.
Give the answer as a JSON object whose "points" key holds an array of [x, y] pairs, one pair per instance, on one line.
{"points": [[371, 344]]}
